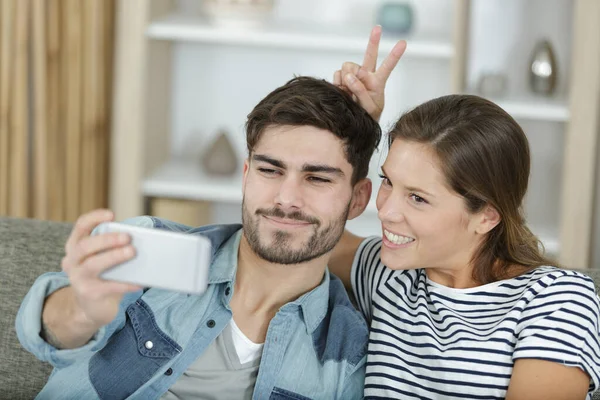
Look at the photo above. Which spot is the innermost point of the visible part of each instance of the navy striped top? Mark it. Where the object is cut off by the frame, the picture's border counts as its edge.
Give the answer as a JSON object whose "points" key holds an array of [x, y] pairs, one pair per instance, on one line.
{"points": [[429, 341]]}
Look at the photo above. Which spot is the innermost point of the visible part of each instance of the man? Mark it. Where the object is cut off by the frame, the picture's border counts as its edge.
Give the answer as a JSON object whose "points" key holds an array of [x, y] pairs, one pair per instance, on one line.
{"points": [[273, 322]]}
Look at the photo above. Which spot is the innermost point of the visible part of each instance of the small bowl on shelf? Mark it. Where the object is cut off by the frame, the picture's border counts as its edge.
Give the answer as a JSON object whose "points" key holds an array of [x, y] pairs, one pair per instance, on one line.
{"points": [[238, 13]]}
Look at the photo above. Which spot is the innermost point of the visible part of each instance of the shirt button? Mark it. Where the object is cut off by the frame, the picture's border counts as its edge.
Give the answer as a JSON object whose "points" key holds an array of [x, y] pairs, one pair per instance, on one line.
{"points": [[227, 291], [149, 345], [169, 372], [211, 323]]}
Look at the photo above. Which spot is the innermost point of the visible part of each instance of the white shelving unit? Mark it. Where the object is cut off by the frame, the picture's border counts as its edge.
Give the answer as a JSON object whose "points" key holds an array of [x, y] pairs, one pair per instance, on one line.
{"points": [[542, 109], [155, 36], [286, 36]]}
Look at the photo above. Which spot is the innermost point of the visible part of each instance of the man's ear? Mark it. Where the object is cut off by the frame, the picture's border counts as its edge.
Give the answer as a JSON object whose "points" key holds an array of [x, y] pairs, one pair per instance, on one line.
{"points": [[361, 194], [245, 173], [487, 220]]}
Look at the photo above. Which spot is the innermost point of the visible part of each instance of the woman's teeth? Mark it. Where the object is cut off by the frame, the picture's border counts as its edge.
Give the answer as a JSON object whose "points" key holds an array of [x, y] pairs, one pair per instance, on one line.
{"points": [[397, 239]]}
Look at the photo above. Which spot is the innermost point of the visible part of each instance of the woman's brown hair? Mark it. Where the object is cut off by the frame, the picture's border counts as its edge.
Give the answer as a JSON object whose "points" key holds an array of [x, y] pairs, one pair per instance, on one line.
{"points": [[484, 155]]}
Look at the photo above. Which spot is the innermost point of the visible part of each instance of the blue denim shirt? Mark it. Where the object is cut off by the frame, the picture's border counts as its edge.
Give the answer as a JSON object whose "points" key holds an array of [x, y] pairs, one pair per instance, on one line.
{"points": [[315, 346]]}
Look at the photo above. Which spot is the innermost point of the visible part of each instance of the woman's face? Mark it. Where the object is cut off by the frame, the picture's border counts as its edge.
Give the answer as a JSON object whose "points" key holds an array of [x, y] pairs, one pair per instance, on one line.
{"points": [[424, 223]]}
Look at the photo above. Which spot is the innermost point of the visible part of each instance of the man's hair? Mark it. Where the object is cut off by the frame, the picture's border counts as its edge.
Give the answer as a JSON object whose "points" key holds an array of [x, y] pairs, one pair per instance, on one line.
{"points": [[306, 101]]}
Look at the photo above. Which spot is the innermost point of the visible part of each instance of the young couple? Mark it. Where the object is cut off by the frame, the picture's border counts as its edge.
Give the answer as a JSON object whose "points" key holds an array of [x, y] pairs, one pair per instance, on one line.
{"points": [[455, 298]]}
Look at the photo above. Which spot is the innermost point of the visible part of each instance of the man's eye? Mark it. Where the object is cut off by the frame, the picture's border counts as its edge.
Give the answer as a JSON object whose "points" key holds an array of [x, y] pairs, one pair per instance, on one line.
{"points": [[317, 179], [267, 171]]}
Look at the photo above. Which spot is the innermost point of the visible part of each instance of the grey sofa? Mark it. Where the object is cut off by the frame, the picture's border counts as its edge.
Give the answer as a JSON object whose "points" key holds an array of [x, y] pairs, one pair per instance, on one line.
{"points": [[29, 248]]}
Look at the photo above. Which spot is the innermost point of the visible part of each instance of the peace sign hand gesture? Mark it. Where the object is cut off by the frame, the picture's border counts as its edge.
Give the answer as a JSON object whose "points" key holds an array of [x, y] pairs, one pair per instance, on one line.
{"points": [[367, 82]]}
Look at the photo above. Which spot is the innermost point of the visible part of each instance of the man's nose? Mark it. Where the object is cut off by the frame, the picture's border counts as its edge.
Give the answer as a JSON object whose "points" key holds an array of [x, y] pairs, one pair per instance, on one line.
{"points": [[289, 195]]}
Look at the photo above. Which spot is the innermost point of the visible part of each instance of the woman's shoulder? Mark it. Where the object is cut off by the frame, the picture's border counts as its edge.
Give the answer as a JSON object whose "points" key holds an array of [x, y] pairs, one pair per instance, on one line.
{"points": [[550, 275], [553, 284]]}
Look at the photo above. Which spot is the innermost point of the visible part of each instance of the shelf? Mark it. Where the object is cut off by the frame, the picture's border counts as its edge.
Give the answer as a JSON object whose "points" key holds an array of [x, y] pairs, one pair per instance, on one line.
{"points": [[187, 181], [287, 36], [536, 108]]}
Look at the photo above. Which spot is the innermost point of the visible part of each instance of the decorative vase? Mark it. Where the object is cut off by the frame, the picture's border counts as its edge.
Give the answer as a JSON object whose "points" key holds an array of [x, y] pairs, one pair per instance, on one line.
{"points": [[543, 69], [220, 157], [395, 18]]}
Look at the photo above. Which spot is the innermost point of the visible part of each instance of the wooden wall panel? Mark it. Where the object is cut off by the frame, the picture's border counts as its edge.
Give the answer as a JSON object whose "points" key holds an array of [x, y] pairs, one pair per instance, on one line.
{"points": [[7, 9], [19, 186]]}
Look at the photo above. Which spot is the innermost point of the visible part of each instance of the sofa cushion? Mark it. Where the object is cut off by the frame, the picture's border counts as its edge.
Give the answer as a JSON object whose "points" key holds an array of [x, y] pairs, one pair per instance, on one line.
{"points": [[28, 248]]}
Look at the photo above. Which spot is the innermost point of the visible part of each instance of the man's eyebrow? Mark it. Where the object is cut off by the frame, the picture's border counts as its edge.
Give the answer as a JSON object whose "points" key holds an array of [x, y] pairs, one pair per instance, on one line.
{"points": [[323, 169], [318, 168], [269, 160]]}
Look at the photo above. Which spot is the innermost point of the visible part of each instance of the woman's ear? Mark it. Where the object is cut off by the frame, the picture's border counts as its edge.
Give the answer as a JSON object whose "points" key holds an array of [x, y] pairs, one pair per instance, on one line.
{"points": [[361, 194], [488, 219]]}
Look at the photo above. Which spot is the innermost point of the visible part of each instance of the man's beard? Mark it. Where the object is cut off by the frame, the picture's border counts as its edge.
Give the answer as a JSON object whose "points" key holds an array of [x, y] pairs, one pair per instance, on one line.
{"points": [[280, 251]]}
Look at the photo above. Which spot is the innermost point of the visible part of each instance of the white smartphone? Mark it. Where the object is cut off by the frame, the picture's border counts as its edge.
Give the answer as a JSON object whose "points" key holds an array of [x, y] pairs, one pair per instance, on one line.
{"points": [[164, 259]]}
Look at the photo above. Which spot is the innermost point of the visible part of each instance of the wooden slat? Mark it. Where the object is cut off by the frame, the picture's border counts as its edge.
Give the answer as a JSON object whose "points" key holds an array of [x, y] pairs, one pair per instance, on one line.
{"points": [[54, 107], [71, 84], [40, 143], [6, 40], [581, 140], [56, 173], [19, 165], [104, 104], [92, 59]]}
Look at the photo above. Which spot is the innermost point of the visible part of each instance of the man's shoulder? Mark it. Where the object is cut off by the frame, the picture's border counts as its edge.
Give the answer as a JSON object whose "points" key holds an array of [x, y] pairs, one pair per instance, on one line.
{"points": [[343, 333]]}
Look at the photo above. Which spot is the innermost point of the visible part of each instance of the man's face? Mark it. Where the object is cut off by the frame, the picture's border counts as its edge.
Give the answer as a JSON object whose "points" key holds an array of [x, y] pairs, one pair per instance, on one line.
{"points": [[297, 194]]}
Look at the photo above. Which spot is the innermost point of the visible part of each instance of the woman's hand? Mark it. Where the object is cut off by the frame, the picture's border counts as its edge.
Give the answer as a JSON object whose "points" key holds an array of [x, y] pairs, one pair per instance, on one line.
{"points": [[367, 82]]}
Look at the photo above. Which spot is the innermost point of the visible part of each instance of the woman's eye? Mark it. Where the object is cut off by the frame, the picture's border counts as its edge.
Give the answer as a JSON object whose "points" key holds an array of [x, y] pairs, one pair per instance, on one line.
{"points": [[418, 199], [385, 180]]}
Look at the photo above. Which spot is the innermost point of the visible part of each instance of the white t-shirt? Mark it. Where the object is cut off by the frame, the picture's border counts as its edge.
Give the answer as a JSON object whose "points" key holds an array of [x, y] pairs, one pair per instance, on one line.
{"points": [[428, 341], [245, 348]]}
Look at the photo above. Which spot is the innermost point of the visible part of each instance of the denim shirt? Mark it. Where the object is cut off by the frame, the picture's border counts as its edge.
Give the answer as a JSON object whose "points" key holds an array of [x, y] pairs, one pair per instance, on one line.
{"points": [[315, 346]]}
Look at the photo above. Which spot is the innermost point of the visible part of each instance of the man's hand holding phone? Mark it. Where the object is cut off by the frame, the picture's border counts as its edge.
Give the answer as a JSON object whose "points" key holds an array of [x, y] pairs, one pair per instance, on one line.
{"points": [[87, 257], [72, 315]]}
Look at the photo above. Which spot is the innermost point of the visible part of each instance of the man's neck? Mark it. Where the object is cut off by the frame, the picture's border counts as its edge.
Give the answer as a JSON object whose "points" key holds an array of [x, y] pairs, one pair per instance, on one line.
{"points": [[265, 287]]}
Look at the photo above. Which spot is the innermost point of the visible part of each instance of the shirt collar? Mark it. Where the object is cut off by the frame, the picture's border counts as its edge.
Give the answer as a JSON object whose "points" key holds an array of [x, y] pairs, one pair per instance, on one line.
{"points": [[314, 304], [224, 265]]}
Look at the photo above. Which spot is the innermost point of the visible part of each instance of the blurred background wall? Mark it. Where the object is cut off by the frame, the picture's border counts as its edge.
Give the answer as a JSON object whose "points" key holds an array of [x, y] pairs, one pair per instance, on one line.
{"points": [[144, 101]]}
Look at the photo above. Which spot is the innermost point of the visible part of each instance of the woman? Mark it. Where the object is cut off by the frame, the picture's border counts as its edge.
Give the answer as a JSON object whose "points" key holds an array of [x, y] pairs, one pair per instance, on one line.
{"points": [[461, 301]]}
